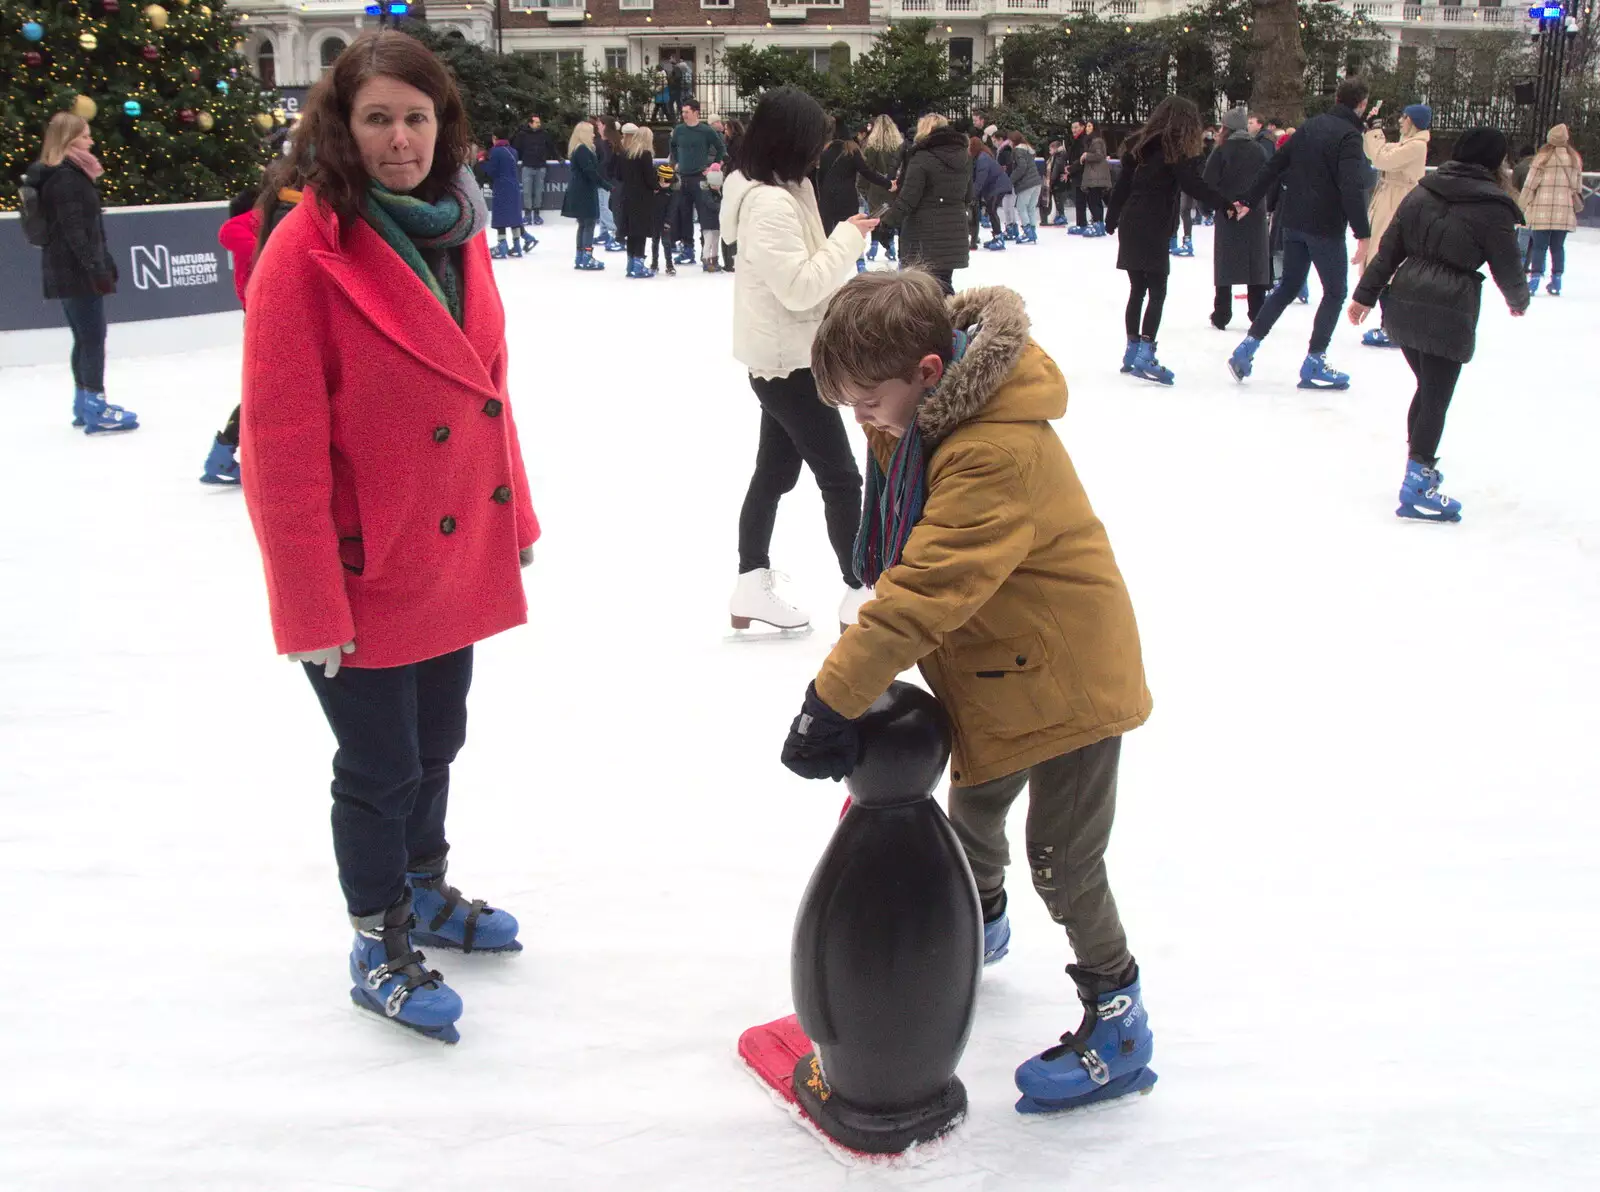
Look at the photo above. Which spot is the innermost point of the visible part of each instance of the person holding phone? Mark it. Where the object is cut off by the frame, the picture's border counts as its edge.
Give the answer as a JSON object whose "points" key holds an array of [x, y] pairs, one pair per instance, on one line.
{"points": [[839, 175]]}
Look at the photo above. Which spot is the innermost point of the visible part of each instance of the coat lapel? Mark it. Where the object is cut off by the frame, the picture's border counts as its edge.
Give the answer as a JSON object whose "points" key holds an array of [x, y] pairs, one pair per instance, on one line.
{"points": [[484, 314], [393, 299]]}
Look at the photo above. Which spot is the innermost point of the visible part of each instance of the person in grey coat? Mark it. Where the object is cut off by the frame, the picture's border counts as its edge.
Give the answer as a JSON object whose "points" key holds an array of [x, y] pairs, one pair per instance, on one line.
{"points": [[1242, 254]]}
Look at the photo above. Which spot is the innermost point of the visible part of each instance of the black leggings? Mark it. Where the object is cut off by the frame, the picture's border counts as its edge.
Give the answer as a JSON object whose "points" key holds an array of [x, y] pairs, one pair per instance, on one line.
{"points": [[1140, 283], [229, 435], [1436, 385], [1096, 196], [636, 243], [796, 428]]}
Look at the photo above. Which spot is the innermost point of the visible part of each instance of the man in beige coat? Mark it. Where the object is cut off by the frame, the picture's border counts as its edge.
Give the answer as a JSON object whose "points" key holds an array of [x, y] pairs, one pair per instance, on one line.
{"points": [[1400, 167]]}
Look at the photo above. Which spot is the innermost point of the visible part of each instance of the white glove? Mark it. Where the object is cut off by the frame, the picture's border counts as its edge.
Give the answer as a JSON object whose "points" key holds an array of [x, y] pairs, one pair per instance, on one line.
{"points": [[327, 659]]}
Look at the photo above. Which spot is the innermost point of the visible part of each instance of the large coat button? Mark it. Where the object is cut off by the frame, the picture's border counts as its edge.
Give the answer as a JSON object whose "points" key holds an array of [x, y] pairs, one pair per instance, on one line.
{"points": [[501, 495], [492, 407], [447, 525], [441, 433]]}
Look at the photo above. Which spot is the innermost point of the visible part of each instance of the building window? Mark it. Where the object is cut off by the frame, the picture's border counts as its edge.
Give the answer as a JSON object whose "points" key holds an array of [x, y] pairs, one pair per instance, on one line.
{"points": [[539, 5], [716, 3], [641, 5], [331, 49], [617, 58], [816, 57], [267, 65], [552, 61]]}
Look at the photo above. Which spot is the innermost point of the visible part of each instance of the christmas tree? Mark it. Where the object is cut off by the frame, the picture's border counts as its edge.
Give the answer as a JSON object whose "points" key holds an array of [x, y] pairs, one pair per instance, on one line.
{"points": [[176, 114]]}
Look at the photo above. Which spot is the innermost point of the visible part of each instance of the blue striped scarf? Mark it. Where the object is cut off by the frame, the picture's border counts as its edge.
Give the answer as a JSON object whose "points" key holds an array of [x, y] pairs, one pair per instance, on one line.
{"points": [[894, 499]]}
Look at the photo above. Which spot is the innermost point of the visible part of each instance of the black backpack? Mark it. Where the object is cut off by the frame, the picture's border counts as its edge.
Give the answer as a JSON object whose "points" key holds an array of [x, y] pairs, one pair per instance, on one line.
{"points": [[34, 227]]}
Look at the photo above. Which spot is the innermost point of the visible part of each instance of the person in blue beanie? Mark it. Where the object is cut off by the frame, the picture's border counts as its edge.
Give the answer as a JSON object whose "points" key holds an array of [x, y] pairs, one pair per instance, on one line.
{"points": [[1401, 165]]}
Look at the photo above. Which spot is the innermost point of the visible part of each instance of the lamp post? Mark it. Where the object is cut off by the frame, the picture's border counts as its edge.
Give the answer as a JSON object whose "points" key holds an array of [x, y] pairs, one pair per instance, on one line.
{"points": [[1552, 20]]}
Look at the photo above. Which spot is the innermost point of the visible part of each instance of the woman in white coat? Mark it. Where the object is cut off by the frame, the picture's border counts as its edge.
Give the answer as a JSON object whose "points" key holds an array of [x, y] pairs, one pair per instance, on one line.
{"points": [[788, 269]]}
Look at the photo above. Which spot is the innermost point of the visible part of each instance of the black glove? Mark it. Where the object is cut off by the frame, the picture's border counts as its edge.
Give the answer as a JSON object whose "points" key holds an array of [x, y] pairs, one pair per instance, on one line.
{"points": [[821, 743]]}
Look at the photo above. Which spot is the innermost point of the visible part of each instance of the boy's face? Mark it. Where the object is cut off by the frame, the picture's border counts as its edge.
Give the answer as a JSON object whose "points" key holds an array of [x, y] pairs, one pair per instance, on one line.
{"points": [[891, 406]]}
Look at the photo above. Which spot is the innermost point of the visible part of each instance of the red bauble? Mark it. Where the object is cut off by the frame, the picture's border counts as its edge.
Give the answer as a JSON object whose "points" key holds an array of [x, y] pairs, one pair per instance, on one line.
{"points": [[151, 53], [33, 58], [186, 115], [109, 6], [194, 74]]}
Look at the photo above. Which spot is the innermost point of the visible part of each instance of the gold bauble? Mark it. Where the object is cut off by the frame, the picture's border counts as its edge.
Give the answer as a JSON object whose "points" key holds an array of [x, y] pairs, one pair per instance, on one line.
{"points": [[157, 16], [204, 121], [183, 3], [84, 107], [264, 121], [88, 41], [204, 11]]}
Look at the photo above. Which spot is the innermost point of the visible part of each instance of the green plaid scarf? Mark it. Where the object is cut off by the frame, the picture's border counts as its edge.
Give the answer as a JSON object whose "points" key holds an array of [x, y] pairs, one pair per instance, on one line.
{"points": [[408, 225]]}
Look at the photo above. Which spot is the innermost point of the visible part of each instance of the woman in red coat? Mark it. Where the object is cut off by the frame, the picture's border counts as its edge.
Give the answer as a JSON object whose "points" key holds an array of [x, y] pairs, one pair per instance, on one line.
{"points": [[385, 482]]}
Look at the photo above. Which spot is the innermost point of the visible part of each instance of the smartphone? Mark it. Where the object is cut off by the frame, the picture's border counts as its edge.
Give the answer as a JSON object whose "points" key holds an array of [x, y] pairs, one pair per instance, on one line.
{"points": [[877, 213]]}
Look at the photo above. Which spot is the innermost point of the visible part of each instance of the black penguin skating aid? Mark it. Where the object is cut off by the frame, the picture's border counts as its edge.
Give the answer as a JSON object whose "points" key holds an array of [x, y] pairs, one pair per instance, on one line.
{"points": [[887, 952]]}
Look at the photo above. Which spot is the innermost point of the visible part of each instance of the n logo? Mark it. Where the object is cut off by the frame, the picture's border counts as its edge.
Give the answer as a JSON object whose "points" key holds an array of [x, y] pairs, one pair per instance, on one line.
{"points": [[152, 267]]}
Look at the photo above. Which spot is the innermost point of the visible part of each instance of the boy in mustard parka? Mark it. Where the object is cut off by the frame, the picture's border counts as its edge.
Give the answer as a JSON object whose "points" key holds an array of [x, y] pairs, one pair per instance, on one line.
{"points": [[993, 574]]}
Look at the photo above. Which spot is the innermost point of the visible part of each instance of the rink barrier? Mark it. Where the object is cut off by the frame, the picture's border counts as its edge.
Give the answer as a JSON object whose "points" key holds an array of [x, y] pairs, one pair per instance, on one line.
{"points": [[171, 264]]}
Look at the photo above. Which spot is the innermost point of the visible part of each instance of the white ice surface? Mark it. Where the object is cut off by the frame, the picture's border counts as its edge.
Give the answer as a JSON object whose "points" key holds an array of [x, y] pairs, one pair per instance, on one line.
{"points": [[1355, 852]]}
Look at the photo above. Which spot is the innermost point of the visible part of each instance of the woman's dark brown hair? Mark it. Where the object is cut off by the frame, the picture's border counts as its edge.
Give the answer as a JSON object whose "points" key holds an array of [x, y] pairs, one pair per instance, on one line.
{"points": [[1176, 126], [975, 147], [325, 152]]}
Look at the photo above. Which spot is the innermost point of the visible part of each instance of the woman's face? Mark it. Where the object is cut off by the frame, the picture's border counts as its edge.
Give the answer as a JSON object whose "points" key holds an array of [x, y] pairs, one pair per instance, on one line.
{"points": [[395, 127], [1406, 126], [83, 141], [1088, 128]]}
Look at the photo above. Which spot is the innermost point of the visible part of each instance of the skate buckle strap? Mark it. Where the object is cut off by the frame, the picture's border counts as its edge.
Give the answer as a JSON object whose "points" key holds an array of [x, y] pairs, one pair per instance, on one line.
{"points": [[408, 983], [453, 899], [1074, 1042]]}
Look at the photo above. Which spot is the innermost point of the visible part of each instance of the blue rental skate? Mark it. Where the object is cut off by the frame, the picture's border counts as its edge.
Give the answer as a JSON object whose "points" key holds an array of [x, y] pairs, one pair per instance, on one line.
{"points": [[637, 268], [996, 939], [1554, 288], [1243, 358], [1315, 374], [1078, 230], [998, 244], [1186, 249], [1096, 229], [612, 244], [529, 242], [1420, 498], [1012, 234], [872, 251], [1030, 235], [1130, 353], [685, 254], [101, 417], [499, 252], [888, 251], [861, 264], [222, 466], [1147, 368], [1172, 245], [1533, 283], [391, 982], [1377, 338], [587, 263], [446, 920], [1107, 1056]]}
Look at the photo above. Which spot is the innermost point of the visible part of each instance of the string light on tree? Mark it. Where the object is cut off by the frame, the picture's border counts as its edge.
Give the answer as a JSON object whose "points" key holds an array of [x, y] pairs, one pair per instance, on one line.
{"points": [[88, 41]]}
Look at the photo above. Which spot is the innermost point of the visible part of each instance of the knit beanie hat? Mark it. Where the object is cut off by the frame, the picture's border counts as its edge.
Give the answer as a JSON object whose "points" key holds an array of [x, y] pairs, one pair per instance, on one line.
{"points": [[1559, 135], [1481, 146], [665, 173], [1421, 115]]}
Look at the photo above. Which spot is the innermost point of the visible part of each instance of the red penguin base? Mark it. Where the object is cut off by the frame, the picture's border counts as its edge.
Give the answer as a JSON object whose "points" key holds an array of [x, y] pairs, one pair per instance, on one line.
{"points": [[781, 1056]]}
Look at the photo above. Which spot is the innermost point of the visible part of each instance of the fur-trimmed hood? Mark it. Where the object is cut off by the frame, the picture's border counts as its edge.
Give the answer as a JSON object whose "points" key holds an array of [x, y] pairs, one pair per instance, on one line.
{"points": [[974, 388]]}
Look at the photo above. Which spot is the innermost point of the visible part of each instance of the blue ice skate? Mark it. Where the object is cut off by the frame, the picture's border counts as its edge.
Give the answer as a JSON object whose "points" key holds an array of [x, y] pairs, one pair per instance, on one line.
{"points": [[1172, 245], [1096, 229], [1377, 338], [612, 244], [872, 251], [391, 982], [499, 252], [1533, 283], [998, 244], [1107, 1056], [1012, 234], [1243, 358], [1030, 235], [1147, 368], [1420, 498], [1078, 230], [637, 268], [222, 465], [861, 264], [1554, 288], [446, 920], [1060, 221], [685, 254], [83, 398], [101, 417], [888, 251], [586, 262], [1186, 249], [996, 939], [1130, 353], [529, 242], [1315, 374]]}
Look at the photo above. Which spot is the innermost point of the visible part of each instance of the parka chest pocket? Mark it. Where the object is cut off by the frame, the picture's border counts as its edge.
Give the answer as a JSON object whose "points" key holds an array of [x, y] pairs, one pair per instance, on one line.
{"points": [[1010, 687]]}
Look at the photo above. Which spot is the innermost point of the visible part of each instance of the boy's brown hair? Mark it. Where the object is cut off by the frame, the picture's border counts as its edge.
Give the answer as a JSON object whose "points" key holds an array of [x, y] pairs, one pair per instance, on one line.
{"points": [[876, 329]]}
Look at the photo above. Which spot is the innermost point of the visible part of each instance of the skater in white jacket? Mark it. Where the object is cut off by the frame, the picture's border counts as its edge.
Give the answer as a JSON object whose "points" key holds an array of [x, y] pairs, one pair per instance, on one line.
{"points": [[788, 270]]}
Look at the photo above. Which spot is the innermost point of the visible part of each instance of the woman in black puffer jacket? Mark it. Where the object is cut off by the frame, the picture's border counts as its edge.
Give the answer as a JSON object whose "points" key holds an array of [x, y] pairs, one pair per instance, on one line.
{"points": [[1426, 275], [930, 208]]}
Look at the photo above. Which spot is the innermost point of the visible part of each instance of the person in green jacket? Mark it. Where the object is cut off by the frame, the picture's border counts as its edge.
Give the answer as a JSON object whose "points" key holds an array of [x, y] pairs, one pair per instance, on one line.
{"points": [[694, 146]]}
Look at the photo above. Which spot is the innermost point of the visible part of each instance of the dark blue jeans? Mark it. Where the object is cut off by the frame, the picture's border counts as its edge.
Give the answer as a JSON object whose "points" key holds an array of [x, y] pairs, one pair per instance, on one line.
{"points": [[1556, 243], [87, 318], [398, 729], [1301, 251]]}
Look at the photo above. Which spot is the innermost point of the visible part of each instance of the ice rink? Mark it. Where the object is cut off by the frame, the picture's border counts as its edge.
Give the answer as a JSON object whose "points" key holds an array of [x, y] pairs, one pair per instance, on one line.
{"points": [[1355, 854]]}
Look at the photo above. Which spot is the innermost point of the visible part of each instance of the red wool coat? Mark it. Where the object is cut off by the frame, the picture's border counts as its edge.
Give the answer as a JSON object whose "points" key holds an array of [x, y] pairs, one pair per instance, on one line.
{"points": [[378, 453]]}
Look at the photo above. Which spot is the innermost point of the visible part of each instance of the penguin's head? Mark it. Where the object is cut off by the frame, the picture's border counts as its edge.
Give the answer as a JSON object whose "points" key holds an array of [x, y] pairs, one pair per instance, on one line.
{"points": [[905, 746]]}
